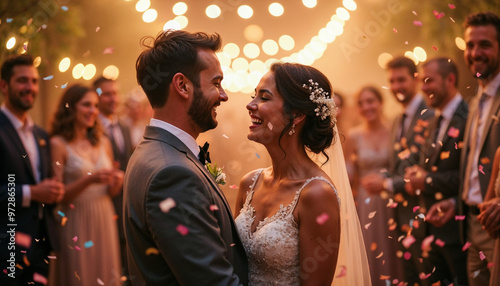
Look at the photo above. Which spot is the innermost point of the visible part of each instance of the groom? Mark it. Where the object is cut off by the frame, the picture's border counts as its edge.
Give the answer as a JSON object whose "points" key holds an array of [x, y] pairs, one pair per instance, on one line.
{"points": [[178, 224]]}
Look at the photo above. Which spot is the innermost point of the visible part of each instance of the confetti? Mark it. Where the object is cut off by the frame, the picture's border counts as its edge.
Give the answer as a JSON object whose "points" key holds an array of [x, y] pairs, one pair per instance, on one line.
{"points": [[167, 204], [459, 217], [484, 160], [78, 248], [182, 229], [75, 238], [64, 86], [438, 196], [71, 206], [258, 156], [48, 77], [97, 29], [99, 281], [214, 208], [466, 246], [367, 200], [439, 242], [451, 6], [416, 208], [372, 214], [322, 218], [99, 91], [408, 241], [438, 15], [23, 239], [435, 48], [64, 8], [414, 13], [225, 136], [407, 255], [400, 96], [481, 169], [478, 74], [63, 221], [426, 243], [476, 273], [482, 256], [394, 30], [423, 276], [270, 126], [342, 272], [368, 225], [152, 250], [444, 155], [108, 51], [8, 20], [417, 23], [373, 246], [423, 111], [88, 244], [61, 213], [78, 277], [453, 132], [37, 277], [233, 187]]}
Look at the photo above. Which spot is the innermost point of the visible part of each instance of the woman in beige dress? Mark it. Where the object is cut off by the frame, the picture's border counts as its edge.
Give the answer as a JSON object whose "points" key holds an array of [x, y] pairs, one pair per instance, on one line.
{"points": [[367, 153], [88, 238]]}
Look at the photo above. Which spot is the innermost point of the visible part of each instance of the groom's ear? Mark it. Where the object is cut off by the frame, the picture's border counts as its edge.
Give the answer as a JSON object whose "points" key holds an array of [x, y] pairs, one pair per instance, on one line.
{"points": [[181, 84]]}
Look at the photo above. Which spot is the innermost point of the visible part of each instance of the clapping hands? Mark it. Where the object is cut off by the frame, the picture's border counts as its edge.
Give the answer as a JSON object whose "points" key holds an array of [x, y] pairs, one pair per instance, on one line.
{"points": [[490, 216]]}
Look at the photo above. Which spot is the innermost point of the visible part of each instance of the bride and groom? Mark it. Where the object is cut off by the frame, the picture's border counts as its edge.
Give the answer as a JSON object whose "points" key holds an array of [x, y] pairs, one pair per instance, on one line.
{"points": [[292, 227]]}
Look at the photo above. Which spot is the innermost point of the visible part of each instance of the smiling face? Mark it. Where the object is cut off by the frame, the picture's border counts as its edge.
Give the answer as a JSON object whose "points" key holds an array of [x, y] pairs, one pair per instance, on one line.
{"points": [[266, 111], [370, 107], [403, 84], [482, 52], [87, 110], [22, 89], [109, 98], [434, 86], [209, 95]]}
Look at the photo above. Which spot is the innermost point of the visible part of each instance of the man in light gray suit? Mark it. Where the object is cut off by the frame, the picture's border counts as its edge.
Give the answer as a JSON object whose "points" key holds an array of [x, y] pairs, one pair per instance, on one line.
{"points": [[481, 139], [178, 225]]}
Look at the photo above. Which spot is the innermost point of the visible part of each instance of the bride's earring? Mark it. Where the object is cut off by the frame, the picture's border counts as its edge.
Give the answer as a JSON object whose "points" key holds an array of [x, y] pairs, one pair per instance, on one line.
{"points": [[292, 131]]}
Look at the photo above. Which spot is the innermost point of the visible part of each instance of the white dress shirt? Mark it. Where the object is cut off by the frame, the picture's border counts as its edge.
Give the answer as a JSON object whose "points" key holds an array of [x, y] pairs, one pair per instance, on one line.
{"points": [[113, 130], [182, 135], [25, 132]]}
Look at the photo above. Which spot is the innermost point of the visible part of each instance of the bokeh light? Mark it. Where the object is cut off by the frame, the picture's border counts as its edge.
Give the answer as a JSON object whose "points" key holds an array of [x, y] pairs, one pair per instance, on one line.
{"points": [[180, 8], [270, 47], [213, 11], [232, 50], [286, 42], [276, 9], [349, 5], [460, 43], [11, 43], [420, 54], [64, 64], [182, 20], [343, 14], [172, 25], [251, 50], [149, 16], [383, 59], [245, 11], [77, 71], [111, 72], [142, 5], [89, 71], [253, 33], [310, 3]]}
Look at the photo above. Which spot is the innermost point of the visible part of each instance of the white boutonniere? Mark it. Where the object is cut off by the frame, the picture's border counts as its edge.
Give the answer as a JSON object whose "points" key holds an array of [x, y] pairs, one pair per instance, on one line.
{"points": [[217, 174]]}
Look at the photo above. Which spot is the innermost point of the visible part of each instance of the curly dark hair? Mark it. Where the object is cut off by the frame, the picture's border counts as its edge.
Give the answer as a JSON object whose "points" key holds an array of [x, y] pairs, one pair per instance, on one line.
{"points": [[483, 19], [65, 116], [317, 134]]}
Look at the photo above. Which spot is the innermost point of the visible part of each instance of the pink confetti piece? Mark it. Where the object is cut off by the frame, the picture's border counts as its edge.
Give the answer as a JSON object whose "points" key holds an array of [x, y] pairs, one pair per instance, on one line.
{"points": [[78, 248], [453, 132], [414, 13], [75, 238], [37, 277], [439, 242], [459, 217], [438, 15], [417, 23], [372, 214], [108, 50], [99, 281], [423, 111], [408, 241], [482, 256], [435, 48], [182, 230], [214, 208], [478, 74], [416, 208], [343, 271], [71, 206], [481, 169], [23, 239], [270, 126], [423, 276], [466, 246], [490, 264], [167, 204], [407, 255], [233, 187], [451, 6], [322, 218], [380, 255], [426, 243], [368, 225], [97, 29], [395, 30]]}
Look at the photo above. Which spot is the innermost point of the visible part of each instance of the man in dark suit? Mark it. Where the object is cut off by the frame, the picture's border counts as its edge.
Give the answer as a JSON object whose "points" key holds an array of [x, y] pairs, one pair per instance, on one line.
{"points": [[436, 177], [119, 135], [25, 187], [178, 224], [407, 138], [481, 139]]}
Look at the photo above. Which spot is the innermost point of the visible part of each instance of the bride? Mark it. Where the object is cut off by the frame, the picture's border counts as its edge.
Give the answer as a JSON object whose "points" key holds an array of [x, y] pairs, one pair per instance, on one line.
{"points": [[298, 224]]}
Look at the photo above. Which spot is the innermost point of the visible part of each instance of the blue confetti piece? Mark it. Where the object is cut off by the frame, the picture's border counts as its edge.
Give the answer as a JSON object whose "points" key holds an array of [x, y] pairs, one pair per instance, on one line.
{"points": [[64, 8], [48, 77], [60, 213], [99, 91], [8, 20], [64, 86], [89, 244], [367, 200], [258, 156]]}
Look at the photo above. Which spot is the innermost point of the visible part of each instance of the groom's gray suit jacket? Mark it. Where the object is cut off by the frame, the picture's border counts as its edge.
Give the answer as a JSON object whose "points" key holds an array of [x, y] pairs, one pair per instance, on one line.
{"points": [[194, 242]]}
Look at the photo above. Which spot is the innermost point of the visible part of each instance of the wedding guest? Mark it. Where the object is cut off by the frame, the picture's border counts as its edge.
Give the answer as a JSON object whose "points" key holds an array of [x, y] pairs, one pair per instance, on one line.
{"points": [[405, 143], [436, 176], [367, 153], [481, 139], [83, 159], [119, 135], [490, 216], [137, 115], [178, 224], [27, 192], [289, 210]]}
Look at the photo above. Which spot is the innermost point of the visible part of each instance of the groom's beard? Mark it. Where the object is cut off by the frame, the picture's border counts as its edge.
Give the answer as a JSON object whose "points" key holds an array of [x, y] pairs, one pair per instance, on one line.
{"points": [[201, 111]]}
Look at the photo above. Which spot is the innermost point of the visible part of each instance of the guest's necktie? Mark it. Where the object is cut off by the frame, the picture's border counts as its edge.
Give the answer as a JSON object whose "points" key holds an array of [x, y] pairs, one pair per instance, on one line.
{"points": [[204, 155], [402, 131], [473, 142], [438, 128], [116, 136]]}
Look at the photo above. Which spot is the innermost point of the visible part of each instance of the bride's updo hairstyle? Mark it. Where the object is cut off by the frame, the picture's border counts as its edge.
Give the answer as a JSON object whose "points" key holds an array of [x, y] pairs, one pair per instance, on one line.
{"points": [[292, 82]]}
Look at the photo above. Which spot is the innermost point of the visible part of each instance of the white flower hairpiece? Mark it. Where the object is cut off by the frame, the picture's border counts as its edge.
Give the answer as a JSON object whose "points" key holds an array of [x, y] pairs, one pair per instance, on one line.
{"points": [[325, 104]]}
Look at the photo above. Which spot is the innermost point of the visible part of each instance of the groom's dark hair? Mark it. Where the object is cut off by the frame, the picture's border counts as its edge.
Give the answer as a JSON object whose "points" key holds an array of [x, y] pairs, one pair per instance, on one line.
{"points": [[172, 51]]}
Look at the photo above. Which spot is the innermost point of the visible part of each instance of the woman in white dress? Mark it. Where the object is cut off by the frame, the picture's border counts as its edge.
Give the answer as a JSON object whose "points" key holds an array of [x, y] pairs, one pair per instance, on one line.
{"points": [[82, 157], [290, 213]]}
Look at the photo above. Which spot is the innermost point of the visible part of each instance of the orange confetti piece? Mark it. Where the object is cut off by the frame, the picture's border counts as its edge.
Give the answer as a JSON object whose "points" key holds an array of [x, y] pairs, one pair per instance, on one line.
{"points": [[373, 246], [152, 250], [64, 220], [26, 261], [484, 160], [444, 155], [380, 255], [435, 48], [405, 154]]}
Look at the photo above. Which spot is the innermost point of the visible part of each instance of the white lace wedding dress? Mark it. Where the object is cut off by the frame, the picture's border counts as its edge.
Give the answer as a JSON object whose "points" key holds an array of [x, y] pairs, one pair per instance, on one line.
{"points": [[273, 248]]}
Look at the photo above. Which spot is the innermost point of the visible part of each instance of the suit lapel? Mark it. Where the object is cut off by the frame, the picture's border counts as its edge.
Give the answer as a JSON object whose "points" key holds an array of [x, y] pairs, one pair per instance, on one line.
{"points": [[491, 116], [44, 155]]}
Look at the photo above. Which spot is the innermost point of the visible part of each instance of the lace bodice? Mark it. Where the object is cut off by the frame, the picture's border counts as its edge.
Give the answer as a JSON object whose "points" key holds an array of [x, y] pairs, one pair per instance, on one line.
{"points": [[273, 249]]}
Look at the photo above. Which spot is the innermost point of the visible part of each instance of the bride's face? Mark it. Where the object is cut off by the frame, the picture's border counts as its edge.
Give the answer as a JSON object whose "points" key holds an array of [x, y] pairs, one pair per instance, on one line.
{"points": [[266, 111]]}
